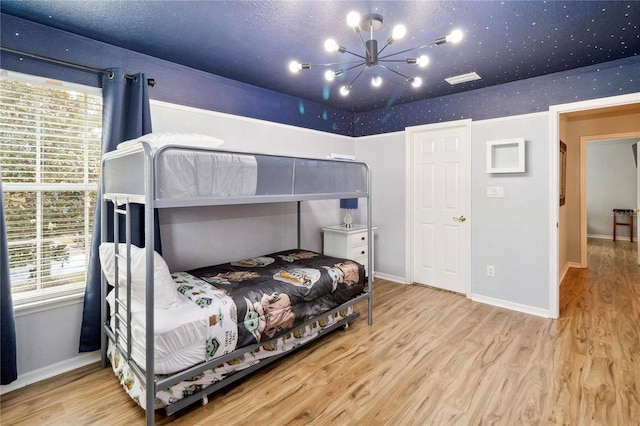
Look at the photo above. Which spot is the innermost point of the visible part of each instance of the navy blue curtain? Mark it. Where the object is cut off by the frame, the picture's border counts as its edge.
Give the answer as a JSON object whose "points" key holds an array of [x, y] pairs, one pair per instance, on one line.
{"points": [[125, 116], [7, 321]]}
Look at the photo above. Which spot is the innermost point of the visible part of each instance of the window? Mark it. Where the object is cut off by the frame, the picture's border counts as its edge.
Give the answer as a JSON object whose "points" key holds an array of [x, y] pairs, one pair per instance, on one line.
{"points": [[50, 135]]}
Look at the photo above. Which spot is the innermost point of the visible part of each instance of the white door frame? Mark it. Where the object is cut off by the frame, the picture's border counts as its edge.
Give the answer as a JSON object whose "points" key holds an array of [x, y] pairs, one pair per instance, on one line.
{"points": [[409, 232], [554, 213]]}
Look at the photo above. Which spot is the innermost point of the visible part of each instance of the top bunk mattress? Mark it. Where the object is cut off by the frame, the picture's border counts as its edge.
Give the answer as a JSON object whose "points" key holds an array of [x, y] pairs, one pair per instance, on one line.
{"points": [[196, 171]]}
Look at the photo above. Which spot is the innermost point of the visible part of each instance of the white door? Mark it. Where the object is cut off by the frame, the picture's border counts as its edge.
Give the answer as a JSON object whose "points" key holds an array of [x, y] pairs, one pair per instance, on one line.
{"points": [[637, 224], [440, 227]]}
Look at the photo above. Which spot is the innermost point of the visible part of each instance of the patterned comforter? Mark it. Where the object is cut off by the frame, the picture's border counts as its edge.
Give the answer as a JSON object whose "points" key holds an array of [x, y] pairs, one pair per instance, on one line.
{"points": [[277, 292], [246, 302]]}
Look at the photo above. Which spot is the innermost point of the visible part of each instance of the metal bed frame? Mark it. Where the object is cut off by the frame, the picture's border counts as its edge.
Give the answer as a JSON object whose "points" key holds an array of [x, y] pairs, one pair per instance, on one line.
{"points": [[128, 177]]}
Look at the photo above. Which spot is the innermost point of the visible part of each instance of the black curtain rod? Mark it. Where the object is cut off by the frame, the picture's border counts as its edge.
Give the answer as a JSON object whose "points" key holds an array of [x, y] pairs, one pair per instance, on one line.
{"points": [[150, 81]]}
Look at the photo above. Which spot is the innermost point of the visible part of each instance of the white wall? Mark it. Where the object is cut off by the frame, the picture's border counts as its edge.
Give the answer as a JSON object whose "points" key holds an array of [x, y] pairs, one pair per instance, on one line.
{"points": [[386, 156], [226, 233], [611, 184], [511, 233]]}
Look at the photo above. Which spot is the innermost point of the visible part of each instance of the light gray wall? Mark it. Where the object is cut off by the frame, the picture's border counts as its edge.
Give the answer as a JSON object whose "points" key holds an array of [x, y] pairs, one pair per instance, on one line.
{"points": [[47, 337], [226, 233], [611, 184], [511, 233], [386, 156]]}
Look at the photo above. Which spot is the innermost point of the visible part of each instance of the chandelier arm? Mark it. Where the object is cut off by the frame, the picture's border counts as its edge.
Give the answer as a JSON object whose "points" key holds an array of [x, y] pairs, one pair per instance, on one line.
{"points": [[406, 77], [408, 50], [392, 60], [364, 43], [355, 66], [359, 74], [331, 64], [355, 54], [384, 47]]}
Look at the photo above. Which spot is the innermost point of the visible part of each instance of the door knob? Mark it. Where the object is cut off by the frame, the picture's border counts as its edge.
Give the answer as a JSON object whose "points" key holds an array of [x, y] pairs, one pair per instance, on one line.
{"points": [[460, 219]]}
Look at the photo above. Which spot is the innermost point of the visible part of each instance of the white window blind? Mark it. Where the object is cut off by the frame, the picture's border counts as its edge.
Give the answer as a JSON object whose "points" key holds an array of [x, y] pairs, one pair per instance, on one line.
{"points": [[50, 135]]}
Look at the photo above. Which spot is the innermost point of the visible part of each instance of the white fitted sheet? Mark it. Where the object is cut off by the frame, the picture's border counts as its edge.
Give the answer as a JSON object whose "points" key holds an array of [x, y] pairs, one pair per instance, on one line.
{"points": [[182, 332]]}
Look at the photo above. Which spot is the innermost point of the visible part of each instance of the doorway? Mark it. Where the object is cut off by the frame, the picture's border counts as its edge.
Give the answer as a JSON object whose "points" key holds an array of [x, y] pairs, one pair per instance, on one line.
{"points": [[566, 221], [625, 190]]}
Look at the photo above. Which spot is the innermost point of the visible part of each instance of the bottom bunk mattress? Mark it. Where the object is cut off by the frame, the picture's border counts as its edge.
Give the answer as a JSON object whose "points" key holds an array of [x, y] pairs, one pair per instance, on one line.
{"points": [[165, 397], [225, 307]]}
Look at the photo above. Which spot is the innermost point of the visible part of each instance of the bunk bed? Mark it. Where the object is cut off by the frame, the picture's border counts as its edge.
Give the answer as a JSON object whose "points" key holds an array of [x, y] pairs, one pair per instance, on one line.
{"points": [[164, 362]]}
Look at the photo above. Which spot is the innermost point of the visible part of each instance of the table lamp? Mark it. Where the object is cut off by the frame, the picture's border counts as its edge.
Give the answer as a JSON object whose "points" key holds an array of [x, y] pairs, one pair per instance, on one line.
{"points": [[348, 204]]}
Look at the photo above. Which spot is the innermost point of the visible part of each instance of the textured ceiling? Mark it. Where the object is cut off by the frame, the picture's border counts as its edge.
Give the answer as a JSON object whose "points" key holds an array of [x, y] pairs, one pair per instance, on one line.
{"points": [[254, 41]]}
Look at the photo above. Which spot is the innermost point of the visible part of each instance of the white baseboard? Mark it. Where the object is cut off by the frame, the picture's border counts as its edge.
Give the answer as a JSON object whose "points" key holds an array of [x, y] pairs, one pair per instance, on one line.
{"points": [[531, 310], [609, 237], [26, 379], [566, 267], [600, 236], [388, 277]]}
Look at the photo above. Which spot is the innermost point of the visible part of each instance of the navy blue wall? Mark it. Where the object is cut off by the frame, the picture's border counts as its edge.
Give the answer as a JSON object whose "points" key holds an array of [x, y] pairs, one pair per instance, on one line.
{"points": [[187, 86], [521, 97], [175, 83]]}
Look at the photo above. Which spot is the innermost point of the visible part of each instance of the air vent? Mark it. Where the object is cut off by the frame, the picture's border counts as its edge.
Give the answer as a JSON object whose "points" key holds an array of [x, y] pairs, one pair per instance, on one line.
{"points": [[463, 78]]}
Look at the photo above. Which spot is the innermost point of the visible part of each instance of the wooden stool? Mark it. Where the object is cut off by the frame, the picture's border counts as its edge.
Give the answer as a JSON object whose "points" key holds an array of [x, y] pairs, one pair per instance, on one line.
{"points": [[623, 212]]}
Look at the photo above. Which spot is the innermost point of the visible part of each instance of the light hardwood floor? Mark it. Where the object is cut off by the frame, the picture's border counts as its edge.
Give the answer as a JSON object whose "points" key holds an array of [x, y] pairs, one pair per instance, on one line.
{"points": [[431, 357]]}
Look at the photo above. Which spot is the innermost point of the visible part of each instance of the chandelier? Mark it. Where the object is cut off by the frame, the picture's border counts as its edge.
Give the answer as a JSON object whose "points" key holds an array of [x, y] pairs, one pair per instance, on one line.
{"points": [[372, 58]]}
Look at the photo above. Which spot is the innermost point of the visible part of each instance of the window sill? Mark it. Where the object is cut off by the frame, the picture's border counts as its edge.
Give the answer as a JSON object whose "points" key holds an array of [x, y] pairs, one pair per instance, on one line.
{"points": [[48, 304]]}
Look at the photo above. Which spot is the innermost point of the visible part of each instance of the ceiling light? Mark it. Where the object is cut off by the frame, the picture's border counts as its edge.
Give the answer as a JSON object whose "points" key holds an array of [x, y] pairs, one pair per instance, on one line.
{"points": [[372, 59], [295, 66], [454, 37], [399, 31], [463, 78], [353, 19], [329, 75], [423, 61], [330, 45]]}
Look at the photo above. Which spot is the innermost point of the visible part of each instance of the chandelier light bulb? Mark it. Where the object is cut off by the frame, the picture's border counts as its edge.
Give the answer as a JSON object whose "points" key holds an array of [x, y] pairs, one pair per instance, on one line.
{"points": [[417, 82], [353, 19], [454, 37], [399, 31], [423, 61], [376, 81], [329, 75], [331, 45], [295, 66], [344, 90]]}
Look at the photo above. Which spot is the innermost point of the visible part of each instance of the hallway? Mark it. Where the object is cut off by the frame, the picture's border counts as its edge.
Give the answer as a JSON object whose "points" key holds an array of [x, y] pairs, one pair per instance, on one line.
{"points": [[600, 308]]}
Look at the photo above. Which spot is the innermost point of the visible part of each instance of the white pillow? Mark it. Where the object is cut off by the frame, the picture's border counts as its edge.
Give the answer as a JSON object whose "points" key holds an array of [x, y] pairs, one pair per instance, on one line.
{"points": [[158, 140], [164, 290]]}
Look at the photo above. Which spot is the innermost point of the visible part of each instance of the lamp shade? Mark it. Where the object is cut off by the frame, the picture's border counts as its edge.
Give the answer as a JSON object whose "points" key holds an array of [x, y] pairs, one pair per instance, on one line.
{"points": [[349, 203]]}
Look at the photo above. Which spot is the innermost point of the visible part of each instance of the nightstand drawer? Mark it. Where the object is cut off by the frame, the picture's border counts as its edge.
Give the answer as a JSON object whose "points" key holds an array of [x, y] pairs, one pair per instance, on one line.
{"points": [[357, 253], [358, 239], [349, 243]]}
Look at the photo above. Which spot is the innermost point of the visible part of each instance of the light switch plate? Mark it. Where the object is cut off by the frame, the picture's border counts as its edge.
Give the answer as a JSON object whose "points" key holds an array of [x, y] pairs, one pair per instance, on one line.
{"points": [[495, 191]]}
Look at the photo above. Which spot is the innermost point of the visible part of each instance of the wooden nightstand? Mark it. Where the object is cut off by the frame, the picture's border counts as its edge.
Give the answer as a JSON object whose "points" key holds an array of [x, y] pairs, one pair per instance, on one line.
{"points": [[350, 243]]}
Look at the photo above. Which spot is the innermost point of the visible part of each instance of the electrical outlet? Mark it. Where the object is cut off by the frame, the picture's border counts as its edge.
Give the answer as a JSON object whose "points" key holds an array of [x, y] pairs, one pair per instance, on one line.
{"points": [[491, 271]]}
